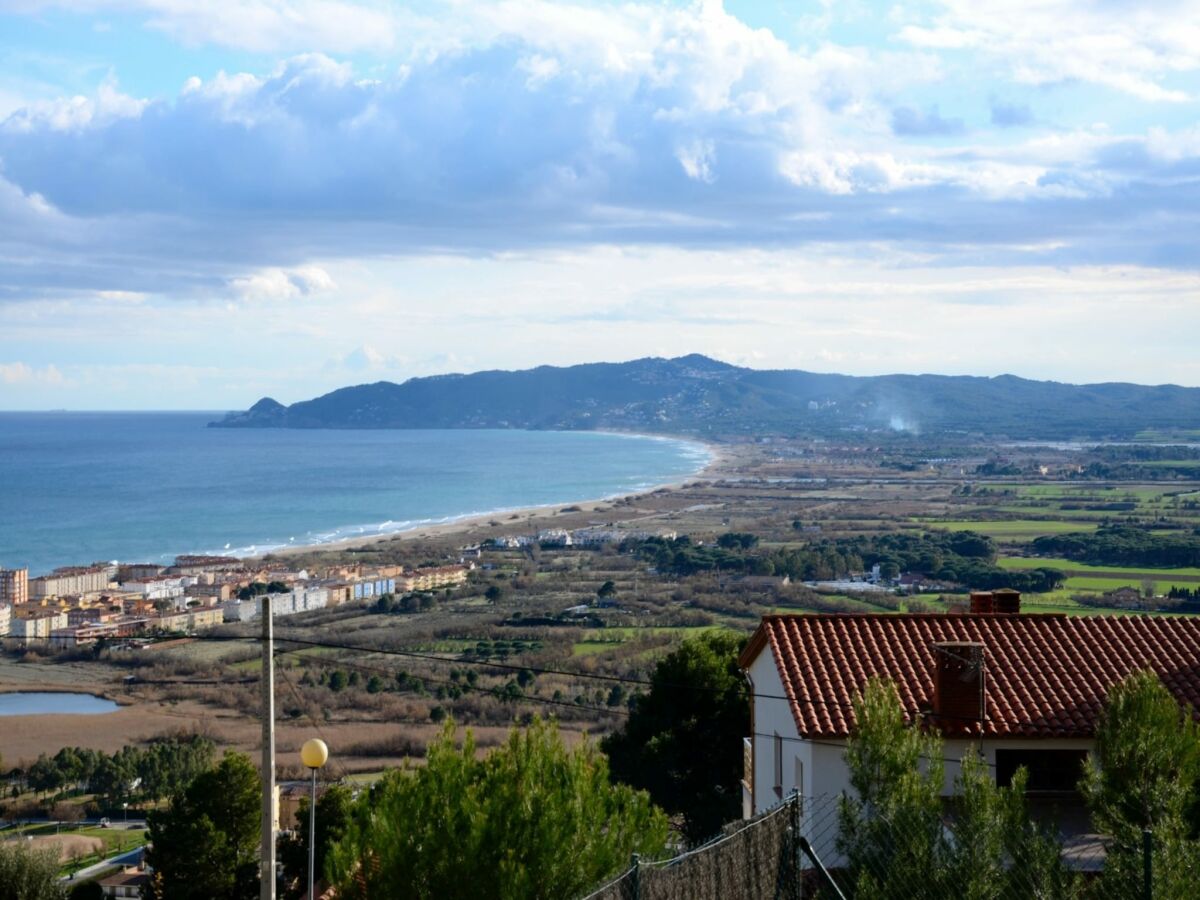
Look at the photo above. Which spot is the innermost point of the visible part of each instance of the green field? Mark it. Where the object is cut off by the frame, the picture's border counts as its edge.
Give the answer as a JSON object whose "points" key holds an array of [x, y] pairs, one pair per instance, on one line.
{"points": [[1012, 528], [1067, 565], [601, 640], [115, 840], [1093, 493]]}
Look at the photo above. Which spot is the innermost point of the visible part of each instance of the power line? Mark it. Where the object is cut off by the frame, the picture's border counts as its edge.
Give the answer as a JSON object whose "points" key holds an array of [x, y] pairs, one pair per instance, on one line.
{"points": [[543, 670], [811, 702], [641, 682], [549, 701], [311, 718], [528, 698]]}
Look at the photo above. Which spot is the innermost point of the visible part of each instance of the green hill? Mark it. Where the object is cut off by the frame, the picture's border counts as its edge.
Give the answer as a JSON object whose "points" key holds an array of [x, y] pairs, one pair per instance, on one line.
{"points": [[695, 394]]}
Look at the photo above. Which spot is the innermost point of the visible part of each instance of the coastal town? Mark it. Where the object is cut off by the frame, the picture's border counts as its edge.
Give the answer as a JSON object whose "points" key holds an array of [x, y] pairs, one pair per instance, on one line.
{"points": [[76, 606], [81, 605]]}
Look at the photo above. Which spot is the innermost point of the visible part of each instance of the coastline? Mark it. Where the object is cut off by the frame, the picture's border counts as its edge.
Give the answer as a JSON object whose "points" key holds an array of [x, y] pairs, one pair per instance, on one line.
{"points": [[719, 456]]}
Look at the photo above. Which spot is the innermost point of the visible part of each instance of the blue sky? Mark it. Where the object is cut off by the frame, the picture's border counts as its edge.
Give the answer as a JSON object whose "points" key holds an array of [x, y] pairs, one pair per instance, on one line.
{"points": [[201, 204]]}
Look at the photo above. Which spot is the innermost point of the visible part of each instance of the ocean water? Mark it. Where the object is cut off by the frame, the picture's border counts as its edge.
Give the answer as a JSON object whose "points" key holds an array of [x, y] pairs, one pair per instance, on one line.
{"points": [[143, 487]]}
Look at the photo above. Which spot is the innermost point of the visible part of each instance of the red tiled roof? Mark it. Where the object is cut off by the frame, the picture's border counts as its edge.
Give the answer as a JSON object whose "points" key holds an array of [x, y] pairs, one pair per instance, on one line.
{"points": [[1045, 675], [122, 879]]}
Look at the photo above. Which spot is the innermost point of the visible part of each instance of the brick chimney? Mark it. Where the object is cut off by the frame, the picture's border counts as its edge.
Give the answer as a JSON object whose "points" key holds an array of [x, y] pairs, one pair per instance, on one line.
{"points": [[958, 681], [1007, 601], [981, 602]]}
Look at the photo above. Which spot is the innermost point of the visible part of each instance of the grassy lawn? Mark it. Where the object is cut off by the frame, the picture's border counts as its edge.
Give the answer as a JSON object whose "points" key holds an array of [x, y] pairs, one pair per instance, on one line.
{"points": [[601, 640], [115, 840], [1013, 528], [591, 648], [1067, 565], [1111, 583]]}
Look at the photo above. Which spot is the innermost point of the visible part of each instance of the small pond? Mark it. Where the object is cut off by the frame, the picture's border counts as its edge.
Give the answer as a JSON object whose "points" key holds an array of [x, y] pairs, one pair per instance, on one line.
{"points": [[36, 703]]}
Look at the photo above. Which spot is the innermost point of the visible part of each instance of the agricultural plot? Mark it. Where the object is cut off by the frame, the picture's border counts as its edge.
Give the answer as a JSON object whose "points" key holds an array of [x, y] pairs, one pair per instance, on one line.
{"points": [[596, 642], [1009, 530], [1071, 567]]}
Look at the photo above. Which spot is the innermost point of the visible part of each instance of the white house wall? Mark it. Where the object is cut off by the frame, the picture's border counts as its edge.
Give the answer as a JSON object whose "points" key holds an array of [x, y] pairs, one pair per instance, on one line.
{"points": [[817, 768], [774, 716]]}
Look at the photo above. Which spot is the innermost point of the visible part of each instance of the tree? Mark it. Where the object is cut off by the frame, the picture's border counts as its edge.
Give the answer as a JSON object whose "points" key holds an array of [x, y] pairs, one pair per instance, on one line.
{"points": [[338, 680], [493, 593], [681, 741], [333, 815], [44, 775], [28, 874], [112, 778], [890, 828], [531, 820], [167, 767], [893, 833], [1145, 773], [70, 813], [70, 764], [606, 590], [204, 846]]}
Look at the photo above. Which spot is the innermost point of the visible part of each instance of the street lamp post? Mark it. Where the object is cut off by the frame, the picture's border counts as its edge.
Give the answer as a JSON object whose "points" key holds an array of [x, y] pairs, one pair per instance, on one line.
{"points": [[313, 754]]}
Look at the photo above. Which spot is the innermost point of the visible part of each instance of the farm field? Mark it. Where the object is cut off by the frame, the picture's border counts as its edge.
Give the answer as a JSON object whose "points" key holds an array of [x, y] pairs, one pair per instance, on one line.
{"points": [[1073, 567], [1006, 530]]}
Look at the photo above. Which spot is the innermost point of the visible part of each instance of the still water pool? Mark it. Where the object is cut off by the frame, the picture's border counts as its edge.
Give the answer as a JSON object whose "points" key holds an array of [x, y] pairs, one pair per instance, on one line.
{"points": [[36, 703]]}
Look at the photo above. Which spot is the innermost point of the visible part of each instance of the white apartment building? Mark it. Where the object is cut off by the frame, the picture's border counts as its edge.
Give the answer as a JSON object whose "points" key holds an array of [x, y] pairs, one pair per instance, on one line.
{"points": [[37, 624]]}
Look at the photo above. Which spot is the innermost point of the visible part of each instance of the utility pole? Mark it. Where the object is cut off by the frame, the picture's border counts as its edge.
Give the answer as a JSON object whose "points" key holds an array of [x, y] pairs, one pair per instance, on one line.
{"points": [[267, 870]]}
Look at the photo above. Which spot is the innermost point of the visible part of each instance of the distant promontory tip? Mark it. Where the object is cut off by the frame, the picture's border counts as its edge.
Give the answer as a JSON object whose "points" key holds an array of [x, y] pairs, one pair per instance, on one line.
{"points": [[267, 412]]}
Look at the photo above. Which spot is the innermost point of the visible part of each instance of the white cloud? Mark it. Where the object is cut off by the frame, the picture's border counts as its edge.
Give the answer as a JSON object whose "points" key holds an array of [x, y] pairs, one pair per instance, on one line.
{"points": [[76, 113], [21, 373], [698, 158], [255, 25], [1129, 48], [281, 284], [522, 124]]}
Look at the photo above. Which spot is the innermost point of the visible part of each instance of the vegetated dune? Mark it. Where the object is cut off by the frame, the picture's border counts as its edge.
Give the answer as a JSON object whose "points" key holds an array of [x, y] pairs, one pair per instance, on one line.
{"points": [[69, 846]]}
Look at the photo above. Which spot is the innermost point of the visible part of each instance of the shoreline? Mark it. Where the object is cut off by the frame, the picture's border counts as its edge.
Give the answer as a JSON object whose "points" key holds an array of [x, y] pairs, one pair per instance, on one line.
{"points": [[692, 457], [718, 455]]}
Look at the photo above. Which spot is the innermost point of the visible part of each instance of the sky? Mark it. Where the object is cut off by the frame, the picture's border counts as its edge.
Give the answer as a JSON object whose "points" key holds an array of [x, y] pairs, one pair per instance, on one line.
{"points": [[206, 203]]}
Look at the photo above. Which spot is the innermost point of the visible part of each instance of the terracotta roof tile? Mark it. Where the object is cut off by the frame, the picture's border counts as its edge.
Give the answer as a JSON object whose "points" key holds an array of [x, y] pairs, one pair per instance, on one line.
{"points": [[1046, 675]]}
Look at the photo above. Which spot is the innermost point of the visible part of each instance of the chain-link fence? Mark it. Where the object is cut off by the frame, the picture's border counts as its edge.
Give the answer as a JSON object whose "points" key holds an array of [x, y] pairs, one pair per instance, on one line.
{"points": [[750, 860], [817, 847]]}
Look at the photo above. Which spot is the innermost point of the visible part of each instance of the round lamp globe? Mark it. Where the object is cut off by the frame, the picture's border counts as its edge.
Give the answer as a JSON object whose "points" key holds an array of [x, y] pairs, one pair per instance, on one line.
{"points": [[314, 753]]}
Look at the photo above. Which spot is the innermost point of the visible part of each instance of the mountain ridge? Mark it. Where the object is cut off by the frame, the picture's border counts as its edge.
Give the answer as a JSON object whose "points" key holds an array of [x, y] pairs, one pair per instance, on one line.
{"points": [[699, 395]]}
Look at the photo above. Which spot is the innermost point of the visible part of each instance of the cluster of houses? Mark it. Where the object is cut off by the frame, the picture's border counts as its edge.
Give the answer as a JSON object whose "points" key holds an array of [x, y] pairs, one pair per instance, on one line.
{"points": [[579, 537], [79, 605]]}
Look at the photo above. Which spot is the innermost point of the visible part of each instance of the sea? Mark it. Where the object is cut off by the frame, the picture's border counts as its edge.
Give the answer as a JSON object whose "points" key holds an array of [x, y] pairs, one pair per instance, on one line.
{"points": [[77, 487]]}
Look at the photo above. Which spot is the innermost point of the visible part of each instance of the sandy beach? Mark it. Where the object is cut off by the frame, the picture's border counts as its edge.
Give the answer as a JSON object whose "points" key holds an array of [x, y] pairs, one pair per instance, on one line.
{"points": [[723, 459]]}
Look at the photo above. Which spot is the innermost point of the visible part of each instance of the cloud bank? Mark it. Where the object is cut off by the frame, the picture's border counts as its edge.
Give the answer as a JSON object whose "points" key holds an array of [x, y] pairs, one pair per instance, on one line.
{"points": [[526, 125]]}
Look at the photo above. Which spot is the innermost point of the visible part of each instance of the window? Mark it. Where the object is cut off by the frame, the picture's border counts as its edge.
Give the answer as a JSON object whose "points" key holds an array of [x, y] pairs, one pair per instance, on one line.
{"points": [[1056, 771], [778, 748]]}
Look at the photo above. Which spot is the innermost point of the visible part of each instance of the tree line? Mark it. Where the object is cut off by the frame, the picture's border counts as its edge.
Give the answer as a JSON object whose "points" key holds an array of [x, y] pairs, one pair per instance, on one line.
{"points": [[132, 774], [957, 557], [1123, 545]]}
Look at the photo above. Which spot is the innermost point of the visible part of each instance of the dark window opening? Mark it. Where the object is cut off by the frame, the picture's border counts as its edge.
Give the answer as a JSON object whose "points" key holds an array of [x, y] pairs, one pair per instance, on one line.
{"points": [[1055, 771]]}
